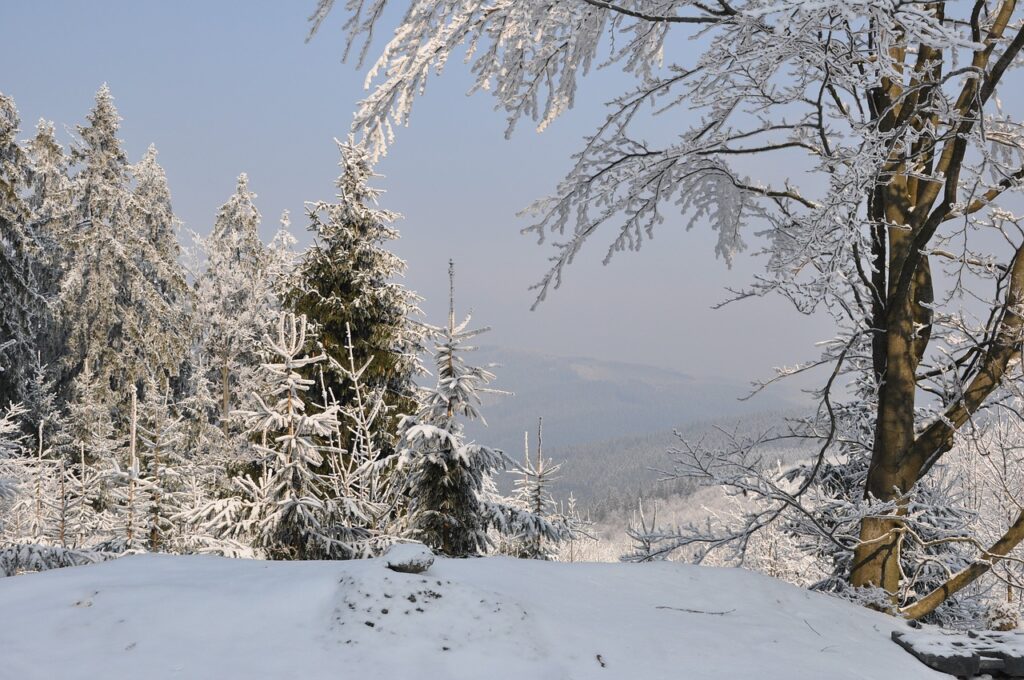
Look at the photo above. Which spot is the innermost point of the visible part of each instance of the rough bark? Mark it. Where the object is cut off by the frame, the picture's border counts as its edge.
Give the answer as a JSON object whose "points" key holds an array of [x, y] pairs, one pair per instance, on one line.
{"points": [[919, 194]]}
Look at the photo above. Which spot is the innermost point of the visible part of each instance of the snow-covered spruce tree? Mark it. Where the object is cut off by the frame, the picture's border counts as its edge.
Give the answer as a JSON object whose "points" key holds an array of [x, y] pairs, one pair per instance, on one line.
{"points": [[43, 419], [213, 517], [90, 307], [114, 314], [167, 298], [83, 484], [199, 407], [89, 422], [22, 300], [541, 527], [43, 498], [30, 499], [11, 441], [165, 464], [234, 297], [363, 476], [34, 522], [92, 447], [291, 508], [211, 450], [347, 280], [47, 509], [50, 200], [283, 261], [896, 217], [15, 475], [449, 481], [208, 524], [128, 490], [238, 287], [86, 451], [572, 549]]}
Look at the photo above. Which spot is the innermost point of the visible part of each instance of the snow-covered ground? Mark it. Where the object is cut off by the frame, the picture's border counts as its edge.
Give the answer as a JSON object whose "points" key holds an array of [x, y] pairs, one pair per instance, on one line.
{"points": [[160, 616]]}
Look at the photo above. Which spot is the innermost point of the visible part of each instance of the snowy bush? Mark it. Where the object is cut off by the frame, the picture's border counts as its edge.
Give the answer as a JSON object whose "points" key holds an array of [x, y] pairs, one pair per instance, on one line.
{"points": [[1003, 616], [28, 557]]}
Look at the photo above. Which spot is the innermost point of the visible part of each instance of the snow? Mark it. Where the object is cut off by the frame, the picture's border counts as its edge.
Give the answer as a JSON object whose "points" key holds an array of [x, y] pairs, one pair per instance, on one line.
{"points": [[951, 643], [161, 616]]}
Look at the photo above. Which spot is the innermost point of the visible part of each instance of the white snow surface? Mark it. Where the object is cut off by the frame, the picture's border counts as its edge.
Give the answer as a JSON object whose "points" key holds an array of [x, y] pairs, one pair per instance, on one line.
{"points": [[198, 617]]}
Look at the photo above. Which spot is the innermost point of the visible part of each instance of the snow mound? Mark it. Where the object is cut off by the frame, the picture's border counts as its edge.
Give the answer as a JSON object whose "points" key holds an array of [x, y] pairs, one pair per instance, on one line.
{"points": [[409, 558], [204, 617]]}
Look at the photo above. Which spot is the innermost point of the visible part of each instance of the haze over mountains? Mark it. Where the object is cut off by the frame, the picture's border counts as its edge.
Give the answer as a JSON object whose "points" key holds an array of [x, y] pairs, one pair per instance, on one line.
{"points": [[610, 422]]}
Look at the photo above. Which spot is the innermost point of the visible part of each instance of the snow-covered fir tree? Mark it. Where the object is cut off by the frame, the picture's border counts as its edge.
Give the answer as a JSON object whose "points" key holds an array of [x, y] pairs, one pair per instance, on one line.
{"points": [[538, 526], [46, 498], [84, 488], [34, 517], [11, 442], [20, 293], [211, 449], [44, 418], [165, 464], [450, 480], [49, 195], [293, 512], [89, 424], [166, 300], [51, 202], [347, 284], [235, 294], [91, 311], [214, 517], [128, 490], [363, 476], [41, 506], [114, 312], [210, 519], [283, 269], [84, 445], [579, 536]]}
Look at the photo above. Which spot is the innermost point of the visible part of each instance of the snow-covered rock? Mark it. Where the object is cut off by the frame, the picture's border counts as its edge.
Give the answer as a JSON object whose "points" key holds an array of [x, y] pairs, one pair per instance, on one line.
{"points": [[201, 617], [409, 558]]}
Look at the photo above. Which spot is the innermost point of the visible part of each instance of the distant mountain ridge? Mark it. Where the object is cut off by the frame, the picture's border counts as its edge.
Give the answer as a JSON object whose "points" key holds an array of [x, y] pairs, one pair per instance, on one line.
{"points": [[609, 421], [585, 400]]}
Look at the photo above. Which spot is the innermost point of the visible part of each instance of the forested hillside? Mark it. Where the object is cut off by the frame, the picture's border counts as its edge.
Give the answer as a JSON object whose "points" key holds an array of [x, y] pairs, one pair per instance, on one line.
{"points": [[610, 476], [226, 395]]}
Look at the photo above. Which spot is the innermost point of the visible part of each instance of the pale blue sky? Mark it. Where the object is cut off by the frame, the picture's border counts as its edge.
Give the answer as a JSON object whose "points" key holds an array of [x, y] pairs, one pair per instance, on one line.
{"points": [[230, 86]]}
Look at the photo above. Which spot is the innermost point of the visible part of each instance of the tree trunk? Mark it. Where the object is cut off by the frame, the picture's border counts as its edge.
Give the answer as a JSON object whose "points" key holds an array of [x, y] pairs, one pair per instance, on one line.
{"points": [[890, 477], [904, 323], [225, 395]]}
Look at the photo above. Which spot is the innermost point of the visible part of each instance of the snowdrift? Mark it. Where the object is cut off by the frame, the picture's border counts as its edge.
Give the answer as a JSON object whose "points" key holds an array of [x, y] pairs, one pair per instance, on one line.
{"points": [[161, 616]]}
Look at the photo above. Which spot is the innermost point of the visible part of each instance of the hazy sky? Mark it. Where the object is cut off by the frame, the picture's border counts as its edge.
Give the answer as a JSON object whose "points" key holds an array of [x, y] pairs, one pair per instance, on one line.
{"points": [[228, 87]]}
